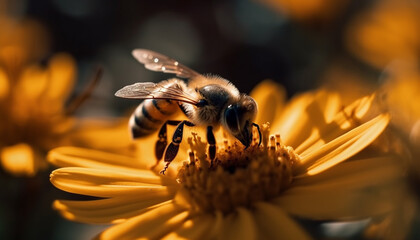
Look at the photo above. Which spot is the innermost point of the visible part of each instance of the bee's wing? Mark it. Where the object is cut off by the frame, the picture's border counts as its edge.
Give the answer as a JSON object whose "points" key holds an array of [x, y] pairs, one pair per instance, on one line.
{"points": [[160, 63], [150, 90]]}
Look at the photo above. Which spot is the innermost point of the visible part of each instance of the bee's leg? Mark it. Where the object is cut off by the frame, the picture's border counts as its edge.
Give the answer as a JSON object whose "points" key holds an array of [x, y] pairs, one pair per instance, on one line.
{"points": [[173, 147], [212, 143], [259, 132], [162, 141]]}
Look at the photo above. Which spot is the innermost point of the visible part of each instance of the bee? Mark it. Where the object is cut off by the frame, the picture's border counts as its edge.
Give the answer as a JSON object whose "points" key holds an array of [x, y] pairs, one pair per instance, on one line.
{"points": [[206, 100]]}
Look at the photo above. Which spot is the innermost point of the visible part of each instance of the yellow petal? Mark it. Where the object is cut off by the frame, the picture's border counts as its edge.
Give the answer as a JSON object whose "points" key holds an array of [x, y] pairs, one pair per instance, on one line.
{"points": [[342, 147], [108, 135], [270, 98], [330, 103], [111, 210], [197, 228], [273, 223], [110, 182], [32, 84], [83, 157], [341, 122], [19, 160], [4, 84], [218, 226], [351, 190], [153, 224], [293, 124], [306, 113], [238, 225], [62, 70], [352, 173]]}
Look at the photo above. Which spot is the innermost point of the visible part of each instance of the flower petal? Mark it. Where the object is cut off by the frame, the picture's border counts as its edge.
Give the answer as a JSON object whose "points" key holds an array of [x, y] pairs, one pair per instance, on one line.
{"points": [[107, 134], [19, 160], [109, 182], [270, 98], [238, 225], [4, 84], [273, 223], [153, 224], [62, 73], [354, 189], [82, 157], [330, 103], [359, 171], [293, 124], [111, 210], [304, 114], [32, 84], [342, 147], [340, 124], [196, 228]]}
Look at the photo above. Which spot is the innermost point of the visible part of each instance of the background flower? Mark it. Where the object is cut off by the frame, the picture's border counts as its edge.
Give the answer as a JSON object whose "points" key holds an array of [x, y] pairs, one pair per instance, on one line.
{"points": [[37, 103]]}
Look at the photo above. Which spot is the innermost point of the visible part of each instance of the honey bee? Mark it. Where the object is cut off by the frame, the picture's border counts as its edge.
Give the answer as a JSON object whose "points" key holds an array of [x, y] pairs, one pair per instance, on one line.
{"points": [[207, 100]]}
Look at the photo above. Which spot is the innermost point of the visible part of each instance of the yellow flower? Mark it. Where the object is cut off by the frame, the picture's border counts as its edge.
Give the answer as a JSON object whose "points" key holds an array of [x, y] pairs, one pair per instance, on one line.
{"points": [[32, 110], [401, 90], [386, 32], [34, 115], [32, 96], [245, 194]]}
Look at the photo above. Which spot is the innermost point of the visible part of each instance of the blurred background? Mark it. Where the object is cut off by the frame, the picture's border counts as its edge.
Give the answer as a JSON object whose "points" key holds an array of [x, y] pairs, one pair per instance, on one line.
{"points": [[243, 41], [353, 47]]}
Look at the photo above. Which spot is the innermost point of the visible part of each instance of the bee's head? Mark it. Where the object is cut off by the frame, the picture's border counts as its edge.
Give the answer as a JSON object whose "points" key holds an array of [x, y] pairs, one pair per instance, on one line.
{"points": [[238, 119]]}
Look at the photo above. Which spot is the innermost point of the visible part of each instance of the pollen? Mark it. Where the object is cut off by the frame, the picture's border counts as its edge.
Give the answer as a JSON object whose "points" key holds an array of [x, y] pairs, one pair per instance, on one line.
{"points": [[237, 177]]}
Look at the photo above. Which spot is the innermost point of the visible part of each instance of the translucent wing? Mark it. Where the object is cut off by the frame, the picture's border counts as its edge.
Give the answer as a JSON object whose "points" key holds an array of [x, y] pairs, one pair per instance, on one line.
{"points": [[150, 90], [160, 63]]}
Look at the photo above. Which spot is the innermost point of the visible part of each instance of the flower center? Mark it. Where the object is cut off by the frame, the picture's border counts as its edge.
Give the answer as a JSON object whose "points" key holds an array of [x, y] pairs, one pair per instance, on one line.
{"points": [[237, 177]]}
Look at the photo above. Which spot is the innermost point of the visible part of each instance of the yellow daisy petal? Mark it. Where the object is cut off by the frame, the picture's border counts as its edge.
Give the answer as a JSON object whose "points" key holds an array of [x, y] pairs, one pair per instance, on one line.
{"points": [[273, 223], [153, 224], [32, 84], [305, 112], [62, 73], [108, 182], [112, 210], [330, 103], [81, 157], [361, 171], [197, 228], [341, 122], [349, 190], [238, 225], [109, 135], [323, 108], [293, 123], [270, 97], [342, 147]]}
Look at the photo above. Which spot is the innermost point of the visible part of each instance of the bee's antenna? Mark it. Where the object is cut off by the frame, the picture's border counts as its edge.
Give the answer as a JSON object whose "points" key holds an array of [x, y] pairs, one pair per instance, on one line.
{"points": [[259, 132]]}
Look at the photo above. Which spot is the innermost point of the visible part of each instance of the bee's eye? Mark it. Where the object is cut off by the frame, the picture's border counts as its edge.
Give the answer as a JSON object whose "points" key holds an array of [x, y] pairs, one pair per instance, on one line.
{"points": [[231, 118]]}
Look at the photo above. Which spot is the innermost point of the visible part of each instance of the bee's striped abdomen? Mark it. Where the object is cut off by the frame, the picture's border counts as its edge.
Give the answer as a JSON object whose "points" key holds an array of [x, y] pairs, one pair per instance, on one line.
{"points": [[150, 115]]}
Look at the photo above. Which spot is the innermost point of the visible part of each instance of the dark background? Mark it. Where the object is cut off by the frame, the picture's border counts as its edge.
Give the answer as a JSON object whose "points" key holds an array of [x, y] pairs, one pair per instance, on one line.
{"points": [[242, 41]]}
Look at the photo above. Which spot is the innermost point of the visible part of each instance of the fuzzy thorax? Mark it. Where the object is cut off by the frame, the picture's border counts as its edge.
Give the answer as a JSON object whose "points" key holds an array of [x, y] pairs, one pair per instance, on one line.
{"points": [[237, 177]]}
